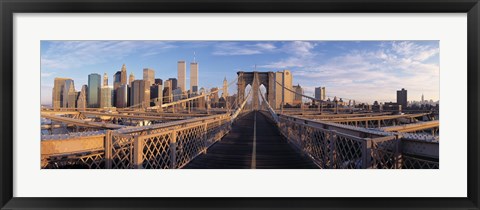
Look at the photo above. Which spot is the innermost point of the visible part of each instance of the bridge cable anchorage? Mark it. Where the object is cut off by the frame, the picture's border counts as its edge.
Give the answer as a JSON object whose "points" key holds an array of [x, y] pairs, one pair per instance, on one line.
{"points": [[254, 149]]}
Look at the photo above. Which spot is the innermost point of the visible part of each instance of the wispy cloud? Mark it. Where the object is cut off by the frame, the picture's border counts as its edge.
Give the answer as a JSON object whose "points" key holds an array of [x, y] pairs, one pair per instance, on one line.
{"points": [[239, 48], [286, 63], [378, 72], [71, 54], [46, 74], [299, 48], [301, 53]]}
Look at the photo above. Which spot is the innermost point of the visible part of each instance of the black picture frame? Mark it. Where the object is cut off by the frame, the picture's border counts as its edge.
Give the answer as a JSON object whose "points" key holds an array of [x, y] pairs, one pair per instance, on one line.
{"points": [[10, 7]]}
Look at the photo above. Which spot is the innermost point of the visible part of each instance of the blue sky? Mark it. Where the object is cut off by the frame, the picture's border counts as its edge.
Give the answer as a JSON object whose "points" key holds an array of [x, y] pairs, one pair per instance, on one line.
{"points": [[360, 70]]}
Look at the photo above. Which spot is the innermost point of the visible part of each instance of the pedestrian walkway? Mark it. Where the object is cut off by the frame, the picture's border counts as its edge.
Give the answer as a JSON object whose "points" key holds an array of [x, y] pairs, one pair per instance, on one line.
{"points": [[253, 142]]}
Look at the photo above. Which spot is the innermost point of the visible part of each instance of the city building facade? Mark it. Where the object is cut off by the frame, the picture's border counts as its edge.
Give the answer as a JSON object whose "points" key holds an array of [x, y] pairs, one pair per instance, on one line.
{"points": [[298, 95], [82, 98], [140, 94], [117, 79], [122, 99], [131, 78], [94, 85], [225, 88], [193, 77], [320, 93], [105, 79], [182, 73], [214, 99], [284, 78], [174, 84], [71, 95], [167, 92], [149, 76], [58, 96], [123, 78], [106, 97], [156, 95], [402, 98]]}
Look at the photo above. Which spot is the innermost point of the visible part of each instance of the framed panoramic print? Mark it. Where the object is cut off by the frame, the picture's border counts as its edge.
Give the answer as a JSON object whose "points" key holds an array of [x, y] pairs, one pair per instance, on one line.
{"points": [[239, 105]]}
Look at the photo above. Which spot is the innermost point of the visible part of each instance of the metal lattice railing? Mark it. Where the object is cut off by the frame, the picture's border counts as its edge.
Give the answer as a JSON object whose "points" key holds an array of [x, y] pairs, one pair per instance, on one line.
{"points": [[171, 145], [119, 150], [165, 148], [86, 160], [350, 152], [319, 144], [190, 142], [85, 150], [330, 148], [386, 152], [155, 151], [411, 162]]}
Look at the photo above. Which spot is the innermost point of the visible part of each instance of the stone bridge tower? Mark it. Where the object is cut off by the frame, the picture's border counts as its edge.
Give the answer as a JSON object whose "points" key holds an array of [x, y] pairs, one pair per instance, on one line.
{"points": [[255, 79]]}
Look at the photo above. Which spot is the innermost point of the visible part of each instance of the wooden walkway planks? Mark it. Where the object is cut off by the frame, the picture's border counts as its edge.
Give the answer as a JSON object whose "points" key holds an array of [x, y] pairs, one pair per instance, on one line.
{"points": [[236, 149]]}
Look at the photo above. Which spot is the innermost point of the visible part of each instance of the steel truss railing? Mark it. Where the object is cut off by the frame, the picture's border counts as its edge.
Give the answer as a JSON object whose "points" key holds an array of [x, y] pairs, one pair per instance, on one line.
{"points": [[169, 145], [73, 151], [333, 148]]}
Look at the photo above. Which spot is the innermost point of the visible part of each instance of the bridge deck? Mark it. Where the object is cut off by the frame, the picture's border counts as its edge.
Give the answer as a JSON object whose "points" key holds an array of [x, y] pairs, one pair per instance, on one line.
{"points": [[267, 149]]}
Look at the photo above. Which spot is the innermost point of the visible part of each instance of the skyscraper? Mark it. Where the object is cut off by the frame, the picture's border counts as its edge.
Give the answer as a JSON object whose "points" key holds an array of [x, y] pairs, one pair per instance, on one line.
{"points": [[60, 90], [320, 93], [402, 98], [283, 78], [105, 79], [214, 97], [177, 94], [122, 96], [149, 75], [94, 84], [123, 75], [140, 94], [194, 77], [159, 81], [288, 80], [72, 96], [181, 67], [82, 98], [106, 97], [58, 86], [117, 79], [225, 88], [117, 82], [298, 96], [201, 100], [131, 78], [68, 94], [174, 84], [156, 94], [167, 92]]}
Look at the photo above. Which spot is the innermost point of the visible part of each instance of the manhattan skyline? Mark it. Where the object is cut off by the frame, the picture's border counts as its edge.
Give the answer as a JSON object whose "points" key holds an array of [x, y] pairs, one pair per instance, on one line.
{"points": [[366, 71]]}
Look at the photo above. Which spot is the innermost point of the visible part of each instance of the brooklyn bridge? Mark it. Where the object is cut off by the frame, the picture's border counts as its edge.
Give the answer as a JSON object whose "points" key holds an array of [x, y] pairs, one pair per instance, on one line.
{"points": [[253, 132]]}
